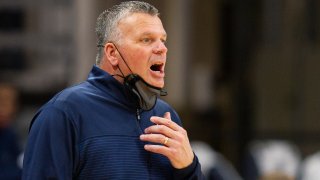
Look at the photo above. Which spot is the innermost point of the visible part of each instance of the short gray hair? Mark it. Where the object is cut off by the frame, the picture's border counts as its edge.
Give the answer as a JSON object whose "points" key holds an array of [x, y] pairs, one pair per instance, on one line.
{"points": [[107, 22]]}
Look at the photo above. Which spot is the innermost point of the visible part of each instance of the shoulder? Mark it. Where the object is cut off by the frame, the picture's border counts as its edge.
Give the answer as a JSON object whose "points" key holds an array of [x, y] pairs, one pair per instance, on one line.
{"points": [[72, 93], [71, 97], [63, 105]]}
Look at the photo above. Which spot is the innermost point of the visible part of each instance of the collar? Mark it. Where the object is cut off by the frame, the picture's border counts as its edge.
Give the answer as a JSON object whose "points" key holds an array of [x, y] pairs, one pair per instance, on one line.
{"points": [[109, 85]]}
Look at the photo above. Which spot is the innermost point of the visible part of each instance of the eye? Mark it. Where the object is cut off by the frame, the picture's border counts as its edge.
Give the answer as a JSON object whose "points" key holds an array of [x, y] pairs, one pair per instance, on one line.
{"points": [[164, 41], [146, 40]]}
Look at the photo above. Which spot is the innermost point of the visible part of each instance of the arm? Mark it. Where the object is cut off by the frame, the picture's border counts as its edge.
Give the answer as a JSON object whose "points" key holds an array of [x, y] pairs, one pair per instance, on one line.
{"points": [[50, 150]]}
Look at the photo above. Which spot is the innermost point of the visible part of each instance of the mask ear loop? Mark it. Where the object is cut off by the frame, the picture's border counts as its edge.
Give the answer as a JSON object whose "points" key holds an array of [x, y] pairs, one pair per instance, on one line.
{"points": [[121, 58], [122, 75]]}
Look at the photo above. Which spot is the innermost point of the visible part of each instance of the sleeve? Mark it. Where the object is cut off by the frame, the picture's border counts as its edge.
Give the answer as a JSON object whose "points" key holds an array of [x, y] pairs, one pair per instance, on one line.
{"points": [[50, 151], [192, 172]]}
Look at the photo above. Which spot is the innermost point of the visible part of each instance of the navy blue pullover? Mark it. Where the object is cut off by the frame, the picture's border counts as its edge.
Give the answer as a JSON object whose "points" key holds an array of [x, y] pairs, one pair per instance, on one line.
{"points": [[91, 131]]}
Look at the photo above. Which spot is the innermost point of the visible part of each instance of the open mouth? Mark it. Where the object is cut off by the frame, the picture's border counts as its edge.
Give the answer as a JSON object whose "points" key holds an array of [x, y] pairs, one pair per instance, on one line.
{"points": [[157, 67]]}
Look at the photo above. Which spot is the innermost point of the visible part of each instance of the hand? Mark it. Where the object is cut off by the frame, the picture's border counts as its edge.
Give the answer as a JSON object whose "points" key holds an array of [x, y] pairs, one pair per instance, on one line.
{"points": [[174, 139]]}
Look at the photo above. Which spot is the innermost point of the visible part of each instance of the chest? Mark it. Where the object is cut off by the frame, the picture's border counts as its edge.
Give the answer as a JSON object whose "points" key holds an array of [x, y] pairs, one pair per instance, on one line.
{"points": [[110, 147]]}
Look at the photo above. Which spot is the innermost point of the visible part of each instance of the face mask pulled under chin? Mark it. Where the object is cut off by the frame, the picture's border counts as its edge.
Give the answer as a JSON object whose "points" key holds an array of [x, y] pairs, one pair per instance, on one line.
{"points": [[147, 94]]}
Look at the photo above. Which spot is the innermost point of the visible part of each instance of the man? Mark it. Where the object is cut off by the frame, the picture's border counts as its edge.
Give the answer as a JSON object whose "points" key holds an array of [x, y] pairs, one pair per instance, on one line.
{"points": [[112, 126]]}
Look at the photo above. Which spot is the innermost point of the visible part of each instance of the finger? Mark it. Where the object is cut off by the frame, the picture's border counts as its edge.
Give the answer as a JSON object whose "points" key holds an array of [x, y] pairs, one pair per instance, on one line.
{"points": [[167, 115], [166, 122], [160, 129], [157, 138], [164, 150]]}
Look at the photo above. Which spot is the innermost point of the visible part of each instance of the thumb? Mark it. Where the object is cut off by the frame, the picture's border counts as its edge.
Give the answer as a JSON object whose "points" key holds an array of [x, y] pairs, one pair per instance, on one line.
{"points": [[167, 115]]}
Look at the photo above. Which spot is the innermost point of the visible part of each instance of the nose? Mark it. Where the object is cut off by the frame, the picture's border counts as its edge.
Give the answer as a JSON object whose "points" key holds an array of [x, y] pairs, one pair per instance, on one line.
{"points": [[160, 48]]}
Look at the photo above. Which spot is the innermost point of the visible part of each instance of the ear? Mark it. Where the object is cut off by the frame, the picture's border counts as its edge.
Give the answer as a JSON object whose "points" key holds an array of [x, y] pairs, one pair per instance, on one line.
{"points": [[110, 53]]}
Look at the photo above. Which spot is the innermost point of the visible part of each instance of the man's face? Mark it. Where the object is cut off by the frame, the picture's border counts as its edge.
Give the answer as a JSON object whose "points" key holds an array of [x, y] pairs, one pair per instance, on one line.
{"points": [[142, 47]]}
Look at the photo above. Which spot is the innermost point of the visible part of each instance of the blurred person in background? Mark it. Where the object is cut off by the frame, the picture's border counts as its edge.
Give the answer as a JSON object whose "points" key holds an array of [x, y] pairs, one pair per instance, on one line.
{"points": [[214, 165], [113, 126], [272, 160], [9, 146], [310, 167]]}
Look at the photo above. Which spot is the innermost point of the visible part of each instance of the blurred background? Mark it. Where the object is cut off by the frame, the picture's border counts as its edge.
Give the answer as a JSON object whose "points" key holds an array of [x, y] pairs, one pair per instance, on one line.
{"points": [[241, 74]]}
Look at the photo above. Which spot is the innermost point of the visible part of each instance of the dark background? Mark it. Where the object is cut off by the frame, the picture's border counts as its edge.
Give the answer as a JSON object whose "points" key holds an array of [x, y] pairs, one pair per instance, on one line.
{"points": [[237, 71]]}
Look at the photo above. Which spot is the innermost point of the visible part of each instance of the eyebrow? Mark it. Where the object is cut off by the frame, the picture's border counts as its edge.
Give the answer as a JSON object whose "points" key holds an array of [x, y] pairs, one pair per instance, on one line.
{"points": [[151, 34]]}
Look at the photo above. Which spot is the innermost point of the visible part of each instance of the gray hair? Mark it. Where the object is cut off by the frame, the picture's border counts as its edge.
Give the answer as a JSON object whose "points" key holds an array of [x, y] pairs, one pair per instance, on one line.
{"points": [[107, 22]]}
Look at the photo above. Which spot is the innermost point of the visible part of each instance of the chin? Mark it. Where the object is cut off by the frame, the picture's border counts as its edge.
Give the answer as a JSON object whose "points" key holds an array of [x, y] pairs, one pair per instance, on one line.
{"points": [[158, 85]]}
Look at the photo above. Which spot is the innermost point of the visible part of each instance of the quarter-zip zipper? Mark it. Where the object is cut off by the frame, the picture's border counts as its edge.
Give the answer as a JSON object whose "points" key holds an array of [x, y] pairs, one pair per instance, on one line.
{"points": [[138, 117], [138, 114]]}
